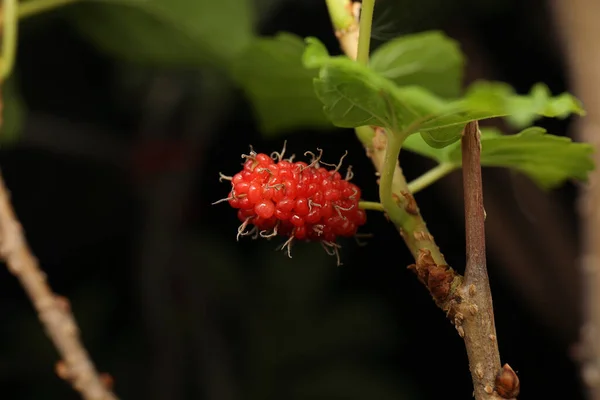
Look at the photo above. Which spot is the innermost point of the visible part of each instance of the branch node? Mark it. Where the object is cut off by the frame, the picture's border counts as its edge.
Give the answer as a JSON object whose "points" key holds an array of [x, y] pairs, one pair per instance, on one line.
{"points": [[473, 309], [379, 139], [472, 290], [479, 370], [507, 383], [63, 303], [62, 370], [423, 236], [458, 321], [437, 278], [411, 205], [107, 380]]}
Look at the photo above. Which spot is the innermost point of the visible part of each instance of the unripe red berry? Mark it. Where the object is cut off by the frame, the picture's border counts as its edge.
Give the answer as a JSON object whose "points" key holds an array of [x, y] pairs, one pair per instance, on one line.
{"points": [[295, 199]]}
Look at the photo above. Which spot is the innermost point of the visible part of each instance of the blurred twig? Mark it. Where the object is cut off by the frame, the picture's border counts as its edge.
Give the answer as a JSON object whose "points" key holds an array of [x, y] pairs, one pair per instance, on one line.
{"points": [[578, 23], [53, 310]]}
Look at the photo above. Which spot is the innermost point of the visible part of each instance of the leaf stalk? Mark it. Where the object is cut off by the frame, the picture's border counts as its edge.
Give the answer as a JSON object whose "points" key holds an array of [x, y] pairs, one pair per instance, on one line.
{"points": [[389, 200], [431, 176]]}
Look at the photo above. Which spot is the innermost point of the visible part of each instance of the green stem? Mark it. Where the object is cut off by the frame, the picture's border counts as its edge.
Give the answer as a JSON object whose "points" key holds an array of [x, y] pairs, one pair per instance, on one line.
{"points": [[430, 177], [9, 37], [386, 196], [371, 205], [33, 7], [365, 134], [364, 36], [340, 14]]}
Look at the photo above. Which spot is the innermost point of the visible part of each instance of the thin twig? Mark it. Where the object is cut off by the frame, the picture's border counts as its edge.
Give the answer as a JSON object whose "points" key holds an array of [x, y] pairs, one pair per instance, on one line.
{"points": [[53, 310], [476, 270], [476, 314]]}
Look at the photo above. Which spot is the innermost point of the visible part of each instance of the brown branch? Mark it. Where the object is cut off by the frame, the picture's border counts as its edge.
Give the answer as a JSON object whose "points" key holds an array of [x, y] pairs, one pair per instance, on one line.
{"points": [[53, 310], [474, 312], [476, 269]]}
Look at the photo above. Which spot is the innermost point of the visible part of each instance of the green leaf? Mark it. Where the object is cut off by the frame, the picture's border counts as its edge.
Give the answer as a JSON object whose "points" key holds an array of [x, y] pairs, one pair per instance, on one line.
{"points": [[428, 59], [547, 159], [315, 54], [271, 74], [485, 100], [354, 95], [168, 32], [521, 110], [13, 112]]}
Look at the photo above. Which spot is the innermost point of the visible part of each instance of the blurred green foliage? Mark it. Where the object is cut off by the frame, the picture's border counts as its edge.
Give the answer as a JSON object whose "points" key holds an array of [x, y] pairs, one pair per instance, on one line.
{"points": [[13, 112], [271, 73], [183, 33], [431, 60]]}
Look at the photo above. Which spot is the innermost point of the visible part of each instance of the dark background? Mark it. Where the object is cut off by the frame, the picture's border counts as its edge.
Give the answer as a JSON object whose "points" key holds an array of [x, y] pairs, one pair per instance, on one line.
{"points": [[113, 177]]}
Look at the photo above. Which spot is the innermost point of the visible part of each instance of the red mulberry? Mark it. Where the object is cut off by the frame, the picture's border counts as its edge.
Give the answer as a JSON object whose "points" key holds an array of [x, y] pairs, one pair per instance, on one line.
{"points": [[299, 200]]}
